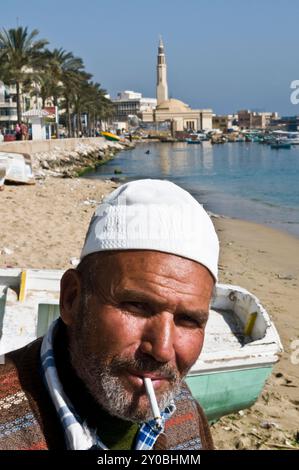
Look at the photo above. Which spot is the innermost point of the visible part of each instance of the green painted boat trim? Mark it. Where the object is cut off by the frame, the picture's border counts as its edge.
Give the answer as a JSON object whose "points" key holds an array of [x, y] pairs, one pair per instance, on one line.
{"points": [[111, 138], [225, 392]]}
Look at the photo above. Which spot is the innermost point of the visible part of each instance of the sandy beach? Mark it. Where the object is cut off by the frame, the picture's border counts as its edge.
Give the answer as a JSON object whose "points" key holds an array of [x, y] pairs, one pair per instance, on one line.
{"points": [[43, 226]]}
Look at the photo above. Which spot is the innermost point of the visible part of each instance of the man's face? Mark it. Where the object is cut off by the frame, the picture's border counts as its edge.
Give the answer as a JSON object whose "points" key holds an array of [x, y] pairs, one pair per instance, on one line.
{"points": [[144, 316]]}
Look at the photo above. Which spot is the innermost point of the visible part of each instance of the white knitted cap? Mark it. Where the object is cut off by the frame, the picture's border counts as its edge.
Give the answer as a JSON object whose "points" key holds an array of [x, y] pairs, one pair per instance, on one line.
{"points": [[154, 215]]}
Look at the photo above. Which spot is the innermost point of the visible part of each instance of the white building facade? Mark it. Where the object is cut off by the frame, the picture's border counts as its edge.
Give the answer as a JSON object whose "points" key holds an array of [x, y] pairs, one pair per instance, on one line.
{"points": [[8, 106], [130, 103]]}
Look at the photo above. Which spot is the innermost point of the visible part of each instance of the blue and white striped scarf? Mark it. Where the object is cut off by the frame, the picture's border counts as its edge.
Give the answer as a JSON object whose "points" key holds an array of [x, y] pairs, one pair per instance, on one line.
{"points": [[78, 435]]}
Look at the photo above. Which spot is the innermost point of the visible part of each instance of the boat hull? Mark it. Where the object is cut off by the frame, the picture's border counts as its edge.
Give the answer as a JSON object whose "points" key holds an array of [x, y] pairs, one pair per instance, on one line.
{"points": [[110, 136], [280, 146], [226, 392]]}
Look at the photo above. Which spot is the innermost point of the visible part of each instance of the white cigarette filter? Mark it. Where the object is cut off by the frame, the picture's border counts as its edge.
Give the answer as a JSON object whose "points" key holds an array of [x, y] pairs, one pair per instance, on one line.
{"points": [[153, 401]]}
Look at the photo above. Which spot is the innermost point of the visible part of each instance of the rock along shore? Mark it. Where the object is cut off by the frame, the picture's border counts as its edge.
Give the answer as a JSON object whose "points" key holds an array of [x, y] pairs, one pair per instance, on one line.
{"points": [[66, 157], [71, 163]]}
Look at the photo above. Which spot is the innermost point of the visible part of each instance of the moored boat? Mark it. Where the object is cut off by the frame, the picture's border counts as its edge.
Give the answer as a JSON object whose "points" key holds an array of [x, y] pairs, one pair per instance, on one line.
{"points": [[240, 349], [280, 144], [290, 137], [110, 136]]}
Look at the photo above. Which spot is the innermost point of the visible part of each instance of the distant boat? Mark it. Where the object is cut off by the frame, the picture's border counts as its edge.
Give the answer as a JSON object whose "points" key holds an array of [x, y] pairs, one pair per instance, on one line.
{"points": [[241, 342], [252, 138], [110, 136], [202, 136], [280, 144], [291, 138], [193, 141]]}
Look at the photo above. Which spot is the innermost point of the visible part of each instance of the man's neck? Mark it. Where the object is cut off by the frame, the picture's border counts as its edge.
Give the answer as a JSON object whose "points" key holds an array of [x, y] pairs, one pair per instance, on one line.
{"points": [[114, 432]]}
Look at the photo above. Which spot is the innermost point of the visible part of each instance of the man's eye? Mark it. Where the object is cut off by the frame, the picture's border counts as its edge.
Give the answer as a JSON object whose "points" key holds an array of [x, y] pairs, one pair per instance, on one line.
{"points": [[135, 307], [191, 322]]}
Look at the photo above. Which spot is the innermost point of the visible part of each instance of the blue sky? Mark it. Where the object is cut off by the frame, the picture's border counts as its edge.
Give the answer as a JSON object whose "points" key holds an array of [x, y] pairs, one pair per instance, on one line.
{"points": [[226, 55]]}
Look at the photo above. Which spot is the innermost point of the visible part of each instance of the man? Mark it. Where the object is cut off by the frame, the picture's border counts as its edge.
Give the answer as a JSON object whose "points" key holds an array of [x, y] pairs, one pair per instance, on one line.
{"points": [[18, 131], [136, 307], [24, 131]]}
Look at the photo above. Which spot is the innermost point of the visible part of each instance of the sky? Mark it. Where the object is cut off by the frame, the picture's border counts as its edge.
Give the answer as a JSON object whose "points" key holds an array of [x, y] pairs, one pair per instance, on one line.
{"points": [[221, 54]]}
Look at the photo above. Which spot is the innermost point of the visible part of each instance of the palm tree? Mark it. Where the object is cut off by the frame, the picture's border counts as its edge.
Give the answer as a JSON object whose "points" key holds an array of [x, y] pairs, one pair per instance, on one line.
{"points": [[58, 64], [105, 107], [90, 100], [63, 75], [21, 58], [66, 72], [73, 83]]}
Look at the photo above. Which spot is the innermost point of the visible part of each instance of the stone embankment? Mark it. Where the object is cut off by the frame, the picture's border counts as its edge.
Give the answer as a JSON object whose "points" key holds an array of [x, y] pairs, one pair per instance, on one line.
{"points": [[66, 157]]}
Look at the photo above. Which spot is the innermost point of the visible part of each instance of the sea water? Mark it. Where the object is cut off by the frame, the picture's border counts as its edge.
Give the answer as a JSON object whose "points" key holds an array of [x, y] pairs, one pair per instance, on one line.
{"points": [[248, 181]]}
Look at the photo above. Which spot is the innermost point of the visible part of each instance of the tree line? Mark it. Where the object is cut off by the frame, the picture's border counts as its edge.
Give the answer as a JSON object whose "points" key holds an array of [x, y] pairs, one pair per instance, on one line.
{"points": [[56, 75]]}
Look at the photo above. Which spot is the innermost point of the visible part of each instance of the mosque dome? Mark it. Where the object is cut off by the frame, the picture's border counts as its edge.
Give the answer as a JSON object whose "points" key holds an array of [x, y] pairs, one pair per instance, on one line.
{"points": [[173, 106]]}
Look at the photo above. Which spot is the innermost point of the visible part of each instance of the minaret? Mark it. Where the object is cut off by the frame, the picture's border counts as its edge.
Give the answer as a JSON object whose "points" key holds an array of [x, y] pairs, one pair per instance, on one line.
{"points": [[162, 88]]}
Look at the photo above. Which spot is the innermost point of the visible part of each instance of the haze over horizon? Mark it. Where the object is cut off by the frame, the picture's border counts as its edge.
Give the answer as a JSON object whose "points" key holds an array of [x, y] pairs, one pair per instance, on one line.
{"points": [[221, 55]]}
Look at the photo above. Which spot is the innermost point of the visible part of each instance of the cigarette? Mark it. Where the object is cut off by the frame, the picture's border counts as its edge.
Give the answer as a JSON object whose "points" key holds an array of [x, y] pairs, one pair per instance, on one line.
{"points": [[153, 401]]}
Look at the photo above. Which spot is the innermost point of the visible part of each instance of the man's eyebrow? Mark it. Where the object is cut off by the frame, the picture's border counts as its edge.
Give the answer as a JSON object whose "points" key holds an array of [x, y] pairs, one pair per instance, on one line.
{"points": [[140, 296], [137, 295], [199, 314]]}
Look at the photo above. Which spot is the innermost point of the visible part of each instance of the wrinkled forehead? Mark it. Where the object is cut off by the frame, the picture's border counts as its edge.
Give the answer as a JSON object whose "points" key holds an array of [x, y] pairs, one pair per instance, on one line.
{"points": [[156, 272], [133, 261]]}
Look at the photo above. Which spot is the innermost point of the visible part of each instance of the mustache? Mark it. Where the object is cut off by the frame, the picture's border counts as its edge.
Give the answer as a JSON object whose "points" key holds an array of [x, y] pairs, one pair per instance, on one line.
{"points": [[144, 365]]}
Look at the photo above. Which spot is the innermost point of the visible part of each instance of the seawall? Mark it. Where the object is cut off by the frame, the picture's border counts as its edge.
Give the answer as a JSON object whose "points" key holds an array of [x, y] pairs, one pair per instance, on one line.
{"points": [[65, 157]]}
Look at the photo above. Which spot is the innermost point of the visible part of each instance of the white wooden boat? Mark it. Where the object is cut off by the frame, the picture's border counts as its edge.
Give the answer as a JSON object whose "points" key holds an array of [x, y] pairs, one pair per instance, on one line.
{"points": [[240, 349], [241, 346], [18, 168], [290, 137]]}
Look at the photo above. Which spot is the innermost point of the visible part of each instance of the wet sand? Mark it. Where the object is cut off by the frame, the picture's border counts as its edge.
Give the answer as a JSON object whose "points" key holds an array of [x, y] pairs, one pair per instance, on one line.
{"points": [[43, 226]]}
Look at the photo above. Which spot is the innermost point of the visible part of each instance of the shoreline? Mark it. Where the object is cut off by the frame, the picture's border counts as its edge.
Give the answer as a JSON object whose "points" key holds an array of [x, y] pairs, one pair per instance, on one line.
{"points": [[43, 226], [282, 227], [255, 223], [210, 198]]}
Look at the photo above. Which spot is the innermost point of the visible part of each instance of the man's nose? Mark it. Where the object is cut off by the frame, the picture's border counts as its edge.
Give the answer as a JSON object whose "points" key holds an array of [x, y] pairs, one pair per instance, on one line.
{"points": [[158, 337]]}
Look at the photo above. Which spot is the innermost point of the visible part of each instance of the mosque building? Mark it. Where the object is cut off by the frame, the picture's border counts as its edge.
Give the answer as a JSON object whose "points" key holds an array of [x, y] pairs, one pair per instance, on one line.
{"points": [[179, 114]]}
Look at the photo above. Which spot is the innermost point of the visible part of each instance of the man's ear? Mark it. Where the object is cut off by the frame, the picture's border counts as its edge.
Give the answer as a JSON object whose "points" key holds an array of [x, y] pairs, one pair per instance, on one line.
{"points": [[70, 295]]}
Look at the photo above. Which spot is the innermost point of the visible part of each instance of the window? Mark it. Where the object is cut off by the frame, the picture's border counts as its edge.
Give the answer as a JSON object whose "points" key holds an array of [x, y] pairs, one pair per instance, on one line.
{"points": [[190, 125]]}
